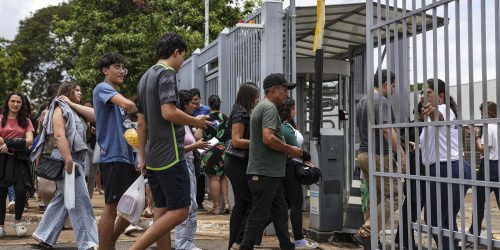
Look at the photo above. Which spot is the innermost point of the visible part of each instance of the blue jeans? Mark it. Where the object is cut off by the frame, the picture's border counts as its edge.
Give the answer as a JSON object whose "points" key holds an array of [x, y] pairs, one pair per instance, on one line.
{"points": [[455, 192], [11, 193], [82, 216], [481, 191], [184, 232]]}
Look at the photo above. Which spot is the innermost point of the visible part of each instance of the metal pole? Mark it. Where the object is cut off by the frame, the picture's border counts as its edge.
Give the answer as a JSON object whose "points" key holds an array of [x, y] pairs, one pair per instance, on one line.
{"points": [[207, 8]]}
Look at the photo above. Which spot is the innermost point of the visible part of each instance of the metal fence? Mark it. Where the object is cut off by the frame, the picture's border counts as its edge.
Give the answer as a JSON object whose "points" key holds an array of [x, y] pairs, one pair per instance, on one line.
{"points": [[466, 47]]}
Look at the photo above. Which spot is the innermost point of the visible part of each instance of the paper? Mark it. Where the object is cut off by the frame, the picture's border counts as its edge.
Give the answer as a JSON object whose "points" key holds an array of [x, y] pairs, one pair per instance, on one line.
{"points": [[212, 143]]}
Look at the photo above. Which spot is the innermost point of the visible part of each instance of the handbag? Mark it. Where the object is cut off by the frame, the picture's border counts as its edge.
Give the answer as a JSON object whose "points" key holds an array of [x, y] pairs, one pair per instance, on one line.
{"points": [[305, 174], [235, 152], [50, 168]]}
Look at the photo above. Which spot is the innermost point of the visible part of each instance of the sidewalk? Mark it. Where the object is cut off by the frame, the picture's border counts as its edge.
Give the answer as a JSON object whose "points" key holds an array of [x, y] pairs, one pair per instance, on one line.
{"points": [[212, 230]]}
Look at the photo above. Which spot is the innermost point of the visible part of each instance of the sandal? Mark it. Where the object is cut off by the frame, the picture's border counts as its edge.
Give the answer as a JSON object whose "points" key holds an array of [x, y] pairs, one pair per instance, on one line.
{"points": [[235, 246], [20, 229]]}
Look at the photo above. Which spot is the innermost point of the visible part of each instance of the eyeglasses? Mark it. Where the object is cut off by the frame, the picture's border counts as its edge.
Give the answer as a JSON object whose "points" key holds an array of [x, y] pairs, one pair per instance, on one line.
{"points": [[121, 67]]}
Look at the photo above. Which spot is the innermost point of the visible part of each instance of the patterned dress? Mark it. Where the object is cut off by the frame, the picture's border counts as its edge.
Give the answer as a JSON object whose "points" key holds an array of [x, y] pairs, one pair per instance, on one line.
{"points": [[212, 162]]}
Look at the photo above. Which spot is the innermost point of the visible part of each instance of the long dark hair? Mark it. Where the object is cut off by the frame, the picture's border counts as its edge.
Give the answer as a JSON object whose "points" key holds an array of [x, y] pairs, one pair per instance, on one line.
{"points": [[442, 89], [185, 96], [491, 109], [285, 111], [22, 116], [214, 102], [246, 96]]}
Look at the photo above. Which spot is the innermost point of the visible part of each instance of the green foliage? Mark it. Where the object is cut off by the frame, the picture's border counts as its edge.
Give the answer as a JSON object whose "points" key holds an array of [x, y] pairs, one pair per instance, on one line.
{"points": [[133, 28], [420, 86], [65, 42], [10, 73]]}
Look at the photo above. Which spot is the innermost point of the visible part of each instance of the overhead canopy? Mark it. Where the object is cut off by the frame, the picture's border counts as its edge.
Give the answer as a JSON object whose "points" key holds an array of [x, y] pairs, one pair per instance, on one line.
{"points": [[345, 27]]}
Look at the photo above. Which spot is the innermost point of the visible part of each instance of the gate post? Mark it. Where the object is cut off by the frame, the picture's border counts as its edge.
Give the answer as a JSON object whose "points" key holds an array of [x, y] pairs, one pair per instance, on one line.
{"points": [[272, 38]]}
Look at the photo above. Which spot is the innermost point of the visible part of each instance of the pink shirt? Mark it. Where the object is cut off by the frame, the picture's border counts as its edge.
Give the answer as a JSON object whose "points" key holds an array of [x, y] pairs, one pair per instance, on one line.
{"points": [[13, 130], [188, 139]]}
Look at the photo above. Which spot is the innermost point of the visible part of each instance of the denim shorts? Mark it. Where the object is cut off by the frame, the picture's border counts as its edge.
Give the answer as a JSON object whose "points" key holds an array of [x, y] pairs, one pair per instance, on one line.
{"points": [[170, 187]]}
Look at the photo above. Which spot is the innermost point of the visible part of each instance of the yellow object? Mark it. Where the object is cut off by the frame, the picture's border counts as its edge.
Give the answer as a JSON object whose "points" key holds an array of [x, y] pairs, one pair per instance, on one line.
{"points": [[132, 137], [320, 25]]}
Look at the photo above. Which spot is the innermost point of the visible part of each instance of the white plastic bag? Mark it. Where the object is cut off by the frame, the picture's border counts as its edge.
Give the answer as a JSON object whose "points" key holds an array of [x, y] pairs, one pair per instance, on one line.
{"points": [[132, 202], [69, 188]]}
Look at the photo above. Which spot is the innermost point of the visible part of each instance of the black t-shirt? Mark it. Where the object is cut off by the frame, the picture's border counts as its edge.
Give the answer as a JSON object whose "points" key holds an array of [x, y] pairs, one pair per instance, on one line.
{"points": [[240, 115]]}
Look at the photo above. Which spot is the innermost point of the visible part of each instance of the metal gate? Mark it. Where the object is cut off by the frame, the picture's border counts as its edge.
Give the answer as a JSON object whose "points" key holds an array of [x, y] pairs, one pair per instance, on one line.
{"points": [[459, 43]]}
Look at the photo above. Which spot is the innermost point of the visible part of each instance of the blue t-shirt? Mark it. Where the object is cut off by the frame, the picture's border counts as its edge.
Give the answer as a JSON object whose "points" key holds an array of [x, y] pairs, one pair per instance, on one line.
{"points": [[202, 110], [109, 126]]}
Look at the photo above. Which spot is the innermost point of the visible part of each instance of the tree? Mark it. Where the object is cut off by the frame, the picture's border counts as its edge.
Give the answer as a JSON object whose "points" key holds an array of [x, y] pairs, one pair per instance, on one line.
{"points": [[132, 28], [38, 44], [10, 73]]}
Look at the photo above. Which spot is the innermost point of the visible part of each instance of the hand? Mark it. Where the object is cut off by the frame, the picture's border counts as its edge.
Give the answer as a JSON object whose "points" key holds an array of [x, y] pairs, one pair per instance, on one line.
{"points": [[403, 163], [428, 109], [92, 130], [4, 149], [201, 121], [201, 144], [69, 166], [295, 152], [65, 99], [412, 146], [309, 164], [141, 164]]}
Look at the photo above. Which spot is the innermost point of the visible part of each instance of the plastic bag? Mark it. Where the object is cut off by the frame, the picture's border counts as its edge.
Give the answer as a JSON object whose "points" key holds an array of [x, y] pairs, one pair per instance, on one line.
{"points": [[97, 154], [69, 188], [132, 203]]}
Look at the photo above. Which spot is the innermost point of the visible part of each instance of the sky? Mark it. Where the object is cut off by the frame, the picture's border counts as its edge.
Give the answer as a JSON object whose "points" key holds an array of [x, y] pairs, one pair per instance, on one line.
{"points": [[11, 12]]}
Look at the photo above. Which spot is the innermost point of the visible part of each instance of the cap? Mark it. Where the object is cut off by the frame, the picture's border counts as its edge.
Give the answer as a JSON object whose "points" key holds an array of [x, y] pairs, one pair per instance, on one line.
{"points": [[277, 79]]}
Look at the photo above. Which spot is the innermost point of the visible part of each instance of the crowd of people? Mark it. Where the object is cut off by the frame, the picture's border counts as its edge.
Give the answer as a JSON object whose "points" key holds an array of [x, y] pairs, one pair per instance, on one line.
{"points": [[436, 164], [180, 141]]}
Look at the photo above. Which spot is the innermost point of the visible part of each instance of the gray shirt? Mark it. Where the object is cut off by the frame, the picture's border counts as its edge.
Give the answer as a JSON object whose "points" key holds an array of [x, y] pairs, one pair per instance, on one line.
{"points": [[165, 140], [263, 160], [379, 102]]}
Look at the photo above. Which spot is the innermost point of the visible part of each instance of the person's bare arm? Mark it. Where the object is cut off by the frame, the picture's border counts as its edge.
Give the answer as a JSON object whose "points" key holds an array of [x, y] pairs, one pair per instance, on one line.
{"points": [[171, 113], [429, 110], [198, 134], [125, 103], [395, 145], [60, 139], [142, 132], [29, 138], [237, 133], [200, 144], [87, 112], [270, 140]]}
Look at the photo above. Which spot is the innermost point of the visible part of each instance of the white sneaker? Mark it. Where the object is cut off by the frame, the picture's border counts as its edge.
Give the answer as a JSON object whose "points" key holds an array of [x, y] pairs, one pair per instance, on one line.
{"points": [[2, 232], [305, 244], [128, 231], [20, 229]]}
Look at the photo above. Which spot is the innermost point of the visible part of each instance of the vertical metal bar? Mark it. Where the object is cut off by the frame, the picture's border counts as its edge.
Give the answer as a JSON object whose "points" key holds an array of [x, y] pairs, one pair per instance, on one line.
{"points": [[407, 146], [428, 207], [417, 131], [486, 152], [381, 137], [497, 60], [371, 154], [447, 118], [471, 114], [437, 165], [398, 151]]}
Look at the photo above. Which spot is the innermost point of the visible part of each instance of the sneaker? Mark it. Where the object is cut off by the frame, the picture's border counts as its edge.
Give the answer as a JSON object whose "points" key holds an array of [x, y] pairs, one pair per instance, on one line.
{"points": [[130, 229], [2, 232], [20, 229], [305, 244], [364, 241], [11, 208]]}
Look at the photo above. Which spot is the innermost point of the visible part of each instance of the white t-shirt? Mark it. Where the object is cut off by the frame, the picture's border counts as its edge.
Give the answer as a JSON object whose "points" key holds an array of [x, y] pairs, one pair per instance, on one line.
{"points": [[492, 140], [429, 147]]}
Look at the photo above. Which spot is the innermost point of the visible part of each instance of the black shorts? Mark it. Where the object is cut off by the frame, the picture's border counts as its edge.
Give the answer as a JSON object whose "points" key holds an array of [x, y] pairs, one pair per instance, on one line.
{"points": [[117, 177], [170, 187]]}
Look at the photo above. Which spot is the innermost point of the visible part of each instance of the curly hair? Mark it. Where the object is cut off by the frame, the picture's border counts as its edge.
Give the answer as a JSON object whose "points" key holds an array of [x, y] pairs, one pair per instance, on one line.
{"points": [[22, 116], [285, 110], [185, 96]]}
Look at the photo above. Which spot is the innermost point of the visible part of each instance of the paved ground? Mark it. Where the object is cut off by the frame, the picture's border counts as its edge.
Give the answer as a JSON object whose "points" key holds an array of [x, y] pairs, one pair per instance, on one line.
{"points": [[212, 231]]}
